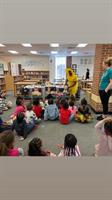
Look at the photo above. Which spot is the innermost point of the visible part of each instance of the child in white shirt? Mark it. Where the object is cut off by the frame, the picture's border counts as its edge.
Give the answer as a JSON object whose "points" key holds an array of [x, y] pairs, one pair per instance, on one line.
{"points": [[30, 115]]}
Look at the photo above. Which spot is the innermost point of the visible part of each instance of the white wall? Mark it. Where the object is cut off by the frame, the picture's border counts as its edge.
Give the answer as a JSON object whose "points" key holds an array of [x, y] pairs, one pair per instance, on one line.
{"points": [[81, 68], [29, 62]]}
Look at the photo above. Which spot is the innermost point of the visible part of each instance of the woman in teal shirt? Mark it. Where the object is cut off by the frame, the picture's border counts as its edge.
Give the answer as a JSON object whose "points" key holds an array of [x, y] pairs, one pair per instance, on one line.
{"points": [[105, 87]]}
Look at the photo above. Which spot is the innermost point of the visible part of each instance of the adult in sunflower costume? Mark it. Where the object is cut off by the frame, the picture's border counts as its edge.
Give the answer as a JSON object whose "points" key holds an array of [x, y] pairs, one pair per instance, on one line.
{"points": [[72, 81]]}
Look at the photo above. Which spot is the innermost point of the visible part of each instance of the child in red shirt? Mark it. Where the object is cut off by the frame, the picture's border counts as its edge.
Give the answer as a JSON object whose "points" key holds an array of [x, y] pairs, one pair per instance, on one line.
{"points": [[37, 109], [65, 113]]}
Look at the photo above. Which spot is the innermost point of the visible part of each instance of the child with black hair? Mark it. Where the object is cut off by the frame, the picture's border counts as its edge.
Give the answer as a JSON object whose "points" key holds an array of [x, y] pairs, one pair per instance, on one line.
{"points": [[65, 113], [3, 149], [83, 114], [21, 127], [19, 107], [36, 107], [7, 145], [104, 128], [51, 111], [73, 108], [30, 115], [70, 147], [35, 148]]}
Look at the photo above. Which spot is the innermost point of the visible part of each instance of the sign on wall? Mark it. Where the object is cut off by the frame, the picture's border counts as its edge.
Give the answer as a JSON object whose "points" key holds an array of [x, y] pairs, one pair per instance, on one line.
{"points": [[1, 68]]}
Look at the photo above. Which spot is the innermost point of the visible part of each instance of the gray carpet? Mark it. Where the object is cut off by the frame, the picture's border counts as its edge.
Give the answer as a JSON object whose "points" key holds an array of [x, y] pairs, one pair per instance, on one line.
{"points": [[53, 133]]}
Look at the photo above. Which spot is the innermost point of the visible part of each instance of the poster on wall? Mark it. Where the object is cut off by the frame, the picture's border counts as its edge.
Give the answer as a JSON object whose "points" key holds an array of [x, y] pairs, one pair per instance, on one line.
{"points": [[1, 68], [14, 69]]}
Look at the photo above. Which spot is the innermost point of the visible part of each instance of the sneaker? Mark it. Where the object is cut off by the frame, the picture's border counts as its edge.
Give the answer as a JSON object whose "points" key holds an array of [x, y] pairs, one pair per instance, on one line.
{"points": [[101, 117], [21, 138]]}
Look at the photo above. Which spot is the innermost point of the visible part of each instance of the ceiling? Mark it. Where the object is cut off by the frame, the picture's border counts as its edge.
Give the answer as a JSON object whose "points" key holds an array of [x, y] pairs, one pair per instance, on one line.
{"points": [[45, 50]]}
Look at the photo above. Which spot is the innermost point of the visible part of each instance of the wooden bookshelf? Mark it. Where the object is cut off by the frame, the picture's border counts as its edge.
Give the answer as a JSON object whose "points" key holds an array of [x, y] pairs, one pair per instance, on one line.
{"points": [[39, 75], [2, 84], [11, 80]]}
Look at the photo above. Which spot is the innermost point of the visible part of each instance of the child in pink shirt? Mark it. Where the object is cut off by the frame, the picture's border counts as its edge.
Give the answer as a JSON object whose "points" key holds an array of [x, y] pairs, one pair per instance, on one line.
{"points": [[19, 108], [72, 108], [70, 147], [7, 138], [104, 128]]}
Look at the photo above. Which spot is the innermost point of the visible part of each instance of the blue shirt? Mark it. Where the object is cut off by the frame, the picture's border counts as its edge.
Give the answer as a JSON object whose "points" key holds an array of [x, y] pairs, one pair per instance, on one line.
{"points": [[105, 78]]}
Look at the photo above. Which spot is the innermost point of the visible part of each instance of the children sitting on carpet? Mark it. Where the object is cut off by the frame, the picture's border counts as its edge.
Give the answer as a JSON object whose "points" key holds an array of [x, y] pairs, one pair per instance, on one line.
{"points": [[21, 127], [104, 128], [35, 148], [7, 145], [36, 107], [51, 111], [31, 116], [70, 147], [83, 114]]}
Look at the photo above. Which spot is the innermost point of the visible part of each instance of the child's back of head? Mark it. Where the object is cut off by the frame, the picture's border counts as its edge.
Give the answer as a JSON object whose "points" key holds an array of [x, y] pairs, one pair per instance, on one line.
{"points": [[84, 102], [70, 142], [18, 102], [108, 127], [71, 103], [36, 102], [35, 147], [7, 137], [3, 149], [65, 105], [29, 107], [50, 101]]}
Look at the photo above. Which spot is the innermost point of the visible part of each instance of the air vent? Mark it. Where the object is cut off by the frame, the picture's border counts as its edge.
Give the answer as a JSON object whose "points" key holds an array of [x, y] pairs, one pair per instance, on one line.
{"points": [[1, 52], [71, 47], [24, 54]]}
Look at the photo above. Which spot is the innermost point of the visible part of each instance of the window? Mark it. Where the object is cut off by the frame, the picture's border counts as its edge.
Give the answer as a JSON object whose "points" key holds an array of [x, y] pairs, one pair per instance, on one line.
{"points": [[60, 66]]}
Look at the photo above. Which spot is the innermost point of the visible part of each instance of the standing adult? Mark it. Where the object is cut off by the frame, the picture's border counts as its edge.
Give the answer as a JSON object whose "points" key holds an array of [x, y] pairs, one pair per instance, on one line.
{"points": [[105, 87], [71, 81], [87, 74]]}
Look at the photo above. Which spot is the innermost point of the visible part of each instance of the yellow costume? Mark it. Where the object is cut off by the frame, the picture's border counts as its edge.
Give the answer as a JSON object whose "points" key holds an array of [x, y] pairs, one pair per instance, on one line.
{"points": [[72, 81]]}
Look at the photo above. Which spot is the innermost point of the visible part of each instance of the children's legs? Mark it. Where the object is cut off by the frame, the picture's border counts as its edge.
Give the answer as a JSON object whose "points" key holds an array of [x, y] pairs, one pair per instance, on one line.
{"points": [[30, 127]]}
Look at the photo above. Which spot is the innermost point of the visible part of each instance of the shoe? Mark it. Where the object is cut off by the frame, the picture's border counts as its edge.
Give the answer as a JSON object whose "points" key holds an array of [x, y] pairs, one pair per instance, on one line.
{"points": [[101, 117], [21, 138]]}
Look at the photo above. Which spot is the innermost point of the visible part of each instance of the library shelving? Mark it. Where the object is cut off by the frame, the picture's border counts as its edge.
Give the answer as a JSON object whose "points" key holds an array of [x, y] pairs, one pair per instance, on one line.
{"points": [[39, 75], [2, 84]]}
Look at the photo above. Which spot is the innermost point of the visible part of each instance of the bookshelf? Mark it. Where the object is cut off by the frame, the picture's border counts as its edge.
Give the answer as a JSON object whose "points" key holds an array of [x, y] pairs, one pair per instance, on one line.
{"points": [[39, 75], [2, 84]]}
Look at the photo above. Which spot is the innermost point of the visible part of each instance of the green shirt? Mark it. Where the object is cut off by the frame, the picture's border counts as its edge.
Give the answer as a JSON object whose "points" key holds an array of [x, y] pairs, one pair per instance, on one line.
{"points": [[105, 78]]}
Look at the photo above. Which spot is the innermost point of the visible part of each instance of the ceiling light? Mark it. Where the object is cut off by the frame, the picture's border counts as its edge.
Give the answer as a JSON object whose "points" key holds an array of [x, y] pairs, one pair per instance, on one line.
{"points": [[33, 52], [13, 52], [54, 52], [2, 45], [74, 52], [26, 45], [54, 45], [81, 45]]}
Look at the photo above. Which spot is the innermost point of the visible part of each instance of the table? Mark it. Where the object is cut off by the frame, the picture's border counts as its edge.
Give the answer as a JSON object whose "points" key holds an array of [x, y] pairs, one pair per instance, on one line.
{"points": [[23, 83]]}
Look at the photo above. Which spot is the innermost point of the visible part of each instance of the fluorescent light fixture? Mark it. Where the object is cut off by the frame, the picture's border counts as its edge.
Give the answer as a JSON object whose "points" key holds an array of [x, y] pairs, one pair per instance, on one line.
{"points": [[81, 45], [54, 45], [2, 45], [13, 52], [26, 45], [74, 52], [34, 52], [54, 52]]}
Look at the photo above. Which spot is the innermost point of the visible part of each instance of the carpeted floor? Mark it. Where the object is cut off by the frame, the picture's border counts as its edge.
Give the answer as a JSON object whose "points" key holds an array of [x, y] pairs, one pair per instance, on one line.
{"points": [[53, 133]]}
